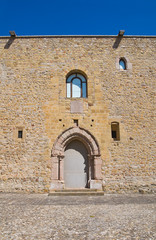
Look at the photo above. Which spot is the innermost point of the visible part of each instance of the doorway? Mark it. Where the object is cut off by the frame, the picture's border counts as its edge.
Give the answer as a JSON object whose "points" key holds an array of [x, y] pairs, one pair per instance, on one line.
{"points": [[76, 167]]}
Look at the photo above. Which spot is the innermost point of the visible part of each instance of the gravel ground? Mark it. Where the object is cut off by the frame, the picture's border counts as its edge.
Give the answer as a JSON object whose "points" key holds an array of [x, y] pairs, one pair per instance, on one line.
{"points": [[36, 216]]}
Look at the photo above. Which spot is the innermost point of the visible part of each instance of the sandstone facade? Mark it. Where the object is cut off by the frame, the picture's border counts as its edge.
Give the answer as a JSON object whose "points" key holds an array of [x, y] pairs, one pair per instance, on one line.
{"points": [[33, 73]]}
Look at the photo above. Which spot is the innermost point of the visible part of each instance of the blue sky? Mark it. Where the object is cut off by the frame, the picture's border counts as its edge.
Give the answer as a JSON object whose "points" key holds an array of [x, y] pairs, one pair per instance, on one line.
{"points": [[78, 17]]}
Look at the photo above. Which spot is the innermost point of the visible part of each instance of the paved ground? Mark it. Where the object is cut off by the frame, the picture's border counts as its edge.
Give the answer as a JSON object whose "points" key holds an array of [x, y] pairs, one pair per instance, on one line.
{"points": [[41, 217]]}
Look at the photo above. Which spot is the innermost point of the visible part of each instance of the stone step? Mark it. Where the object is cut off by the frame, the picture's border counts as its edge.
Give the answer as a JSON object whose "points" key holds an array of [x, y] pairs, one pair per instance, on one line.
{"points": [[76, 192]]}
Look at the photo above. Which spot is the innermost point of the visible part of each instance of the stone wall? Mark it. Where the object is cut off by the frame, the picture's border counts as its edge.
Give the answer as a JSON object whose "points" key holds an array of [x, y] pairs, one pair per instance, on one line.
{"points": [[33, 98]]}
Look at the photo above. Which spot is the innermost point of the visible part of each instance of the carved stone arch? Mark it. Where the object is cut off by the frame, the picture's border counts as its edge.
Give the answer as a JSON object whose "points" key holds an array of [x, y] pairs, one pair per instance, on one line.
{"points": [[83, 71], [57, 156], [79, 133]]}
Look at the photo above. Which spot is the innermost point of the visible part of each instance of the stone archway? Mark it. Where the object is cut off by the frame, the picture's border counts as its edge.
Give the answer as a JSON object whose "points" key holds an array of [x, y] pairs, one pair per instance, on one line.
{"points": [[94, 157]]}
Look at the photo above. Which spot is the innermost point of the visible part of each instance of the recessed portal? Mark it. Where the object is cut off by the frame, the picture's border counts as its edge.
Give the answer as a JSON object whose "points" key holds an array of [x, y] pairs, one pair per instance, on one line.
{"points": [[76, 161], [76, 165]]}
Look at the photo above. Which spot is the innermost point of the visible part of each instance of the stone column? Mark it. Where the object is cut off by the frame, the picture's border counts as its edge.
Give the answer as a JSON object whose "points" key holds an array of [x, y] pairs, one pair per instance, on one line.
{"points": [[61, 166], [54, 168], [97, 167], [57, 173], [96, 183], [89, 167]]}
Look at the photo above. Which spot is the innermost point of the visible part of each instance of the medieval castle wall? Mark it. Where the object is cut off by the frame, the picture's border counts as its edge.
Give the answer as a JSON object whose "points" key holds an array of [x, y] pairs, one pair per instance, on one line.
{"points": [[33, 100]]}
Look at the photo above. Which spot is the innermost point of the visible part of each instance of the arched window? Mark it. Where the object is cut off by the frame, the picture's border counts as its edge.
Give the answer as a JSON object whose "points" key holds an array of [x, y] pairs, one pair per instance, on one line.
{"points": [[122, 64], [76, 86]]}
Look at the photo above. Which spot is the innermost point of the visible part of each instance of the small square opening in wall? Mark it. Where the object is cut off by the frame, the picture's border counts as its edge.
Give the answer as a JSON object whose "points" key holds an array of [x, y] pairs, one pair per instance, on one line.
{"points": [[76, 122], [115, 131], [20, 133]]}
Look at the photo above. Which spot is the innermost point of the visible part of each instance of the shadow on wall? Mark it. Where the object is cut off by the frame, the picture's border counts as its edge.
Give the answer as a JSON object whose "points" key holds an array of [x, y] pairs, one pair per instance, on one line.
{"points": [[8, 44], [117, 41]]}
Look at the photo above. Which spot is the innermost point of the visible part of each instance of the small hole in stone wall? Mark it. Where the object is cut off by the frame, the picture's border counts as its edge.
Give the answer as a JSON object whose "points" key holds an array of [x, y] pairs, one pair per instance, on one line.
{"points": [[60, 120], [20, 133], [76, 122], [63, 125], [91, 125], [92, 120]]}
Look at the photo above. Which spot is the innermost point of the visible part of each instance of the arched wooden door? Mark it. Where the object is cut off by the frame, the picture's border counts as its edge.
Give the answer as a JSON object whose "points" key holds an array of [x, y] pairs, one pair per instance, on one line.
{"points": [[76, 165]]}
